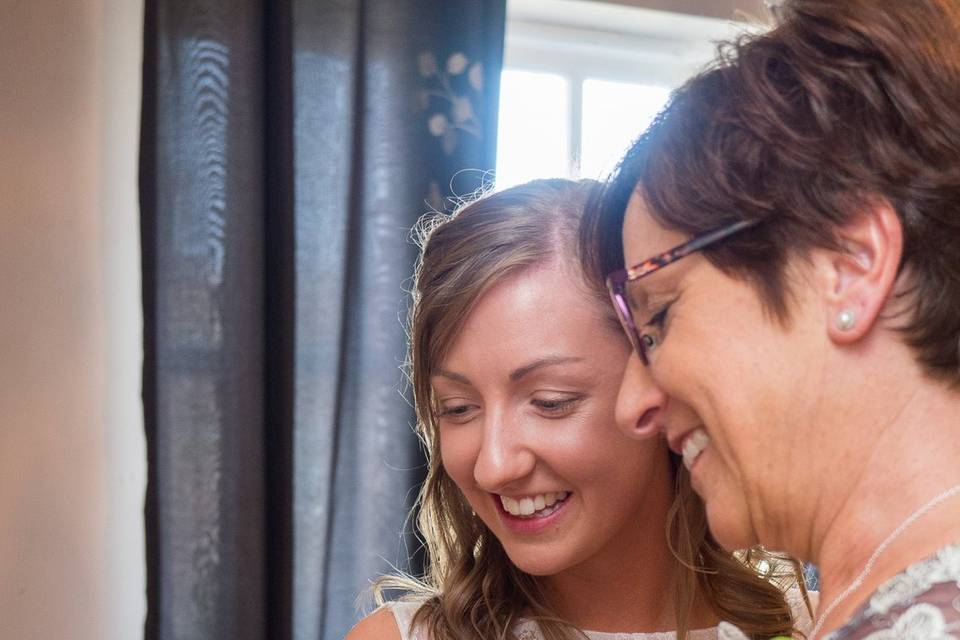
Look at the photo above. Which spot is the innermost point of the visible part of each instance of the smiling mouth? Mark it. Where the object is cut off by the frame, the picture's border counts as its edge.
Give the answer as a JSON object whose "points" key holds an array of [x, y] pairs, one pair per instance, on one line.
{"points": [[693, 446], [535, 506]]}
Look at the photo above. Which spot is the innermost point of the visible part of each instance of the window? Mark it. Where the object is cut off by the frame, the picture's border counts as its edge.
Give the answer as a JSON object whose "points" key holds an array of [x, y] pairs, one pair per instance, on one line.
{"points": [[583, 78]]}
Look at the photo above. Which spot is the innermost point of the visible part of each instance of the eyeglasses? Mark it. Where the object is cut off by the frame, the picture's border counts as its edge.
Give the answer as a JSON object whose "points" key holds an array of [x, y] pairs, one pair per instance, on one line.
{"points": [[617, 281]]}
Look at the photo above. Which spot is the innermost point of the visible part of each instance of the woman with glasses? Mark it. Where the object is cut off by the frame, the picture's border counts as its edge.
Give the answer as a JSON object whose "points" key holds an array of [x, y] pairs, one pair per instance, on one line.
{"points": [[791, 228], [540, 518]]}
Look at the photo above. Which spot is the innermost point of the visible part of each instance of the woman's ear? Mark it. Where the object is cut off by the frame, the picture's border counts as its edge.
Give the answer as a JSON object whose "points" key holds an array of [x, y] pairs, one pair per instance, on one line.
{"points": [[860, 274]]}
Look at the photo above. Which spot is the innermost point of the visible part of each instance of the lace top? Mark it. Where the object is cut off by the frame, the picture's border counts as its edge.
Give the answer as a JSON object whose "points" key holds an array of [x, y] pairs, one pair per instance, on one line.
{"points": [[528, 630], [922, 603]]}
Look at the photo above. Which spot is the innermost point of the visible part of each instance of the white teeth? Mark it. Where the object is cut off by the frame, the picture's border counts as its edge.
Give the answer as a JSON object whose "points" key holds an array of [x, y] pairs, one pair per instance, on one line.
{"points": [[693, 446], [540, 505], [700, 438]]}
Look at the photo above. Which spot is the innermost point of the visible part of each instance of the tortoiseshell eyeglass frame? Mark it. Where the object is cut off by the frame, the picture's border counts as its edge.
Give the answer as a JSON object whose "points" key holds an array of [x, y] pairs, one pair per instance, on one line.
{"points": [[617, 280]]}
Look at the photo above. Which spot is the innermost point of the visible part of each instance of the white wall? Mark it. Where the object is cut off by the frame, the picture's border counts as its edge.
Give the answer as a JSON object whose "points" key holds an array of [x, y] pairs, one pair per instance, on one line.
{"points": [[72, 461]]}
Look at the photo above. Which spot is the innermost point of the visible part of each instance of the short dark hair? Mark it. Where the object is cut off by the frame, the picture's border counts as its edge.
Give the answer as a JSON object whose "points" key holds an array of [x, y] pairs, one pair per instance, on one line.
{"points": [[846, 102]]}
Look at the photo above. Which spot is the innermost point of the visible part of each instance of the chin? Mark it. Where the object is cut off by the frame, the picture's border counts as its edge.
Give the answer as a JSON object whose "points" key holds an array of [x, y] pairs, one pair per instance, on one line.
{"points": [[730, 528], [536, 564]]}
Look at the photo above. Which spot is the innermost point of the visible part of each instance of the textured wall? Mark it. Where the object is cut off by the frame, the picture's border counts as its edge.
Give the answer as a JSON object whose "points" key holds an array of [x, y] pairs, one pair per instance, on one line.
{"points": [[71, 469]]}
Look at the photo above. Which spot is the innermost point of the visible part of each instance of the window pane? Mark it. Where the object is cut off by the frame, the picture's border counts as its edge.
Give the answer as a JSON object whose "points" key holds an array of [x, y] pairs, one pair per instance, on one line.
{"points": [[614, 113], [533, 131]]}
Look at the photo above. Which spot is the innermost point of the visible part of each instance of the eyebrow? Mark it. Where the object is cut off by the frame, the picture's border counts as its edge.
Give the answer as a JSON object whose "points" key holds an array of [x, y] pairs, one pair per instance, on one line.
{"points": [[456, 377], [516, 374], [549, 361]]}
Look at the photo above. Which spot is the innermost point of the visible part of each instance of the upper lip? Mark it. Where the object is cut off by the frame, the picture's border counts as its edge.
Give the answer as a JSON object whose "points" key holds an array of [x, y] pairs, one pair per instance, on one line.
{"points": [[675, 440]]}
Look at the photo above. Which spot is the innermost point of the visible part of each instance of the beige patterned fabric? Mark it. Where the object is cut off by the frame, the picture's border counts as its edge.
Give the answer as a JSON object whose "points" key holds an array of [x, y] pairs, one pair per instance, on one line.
{"points": [[922, 603]]}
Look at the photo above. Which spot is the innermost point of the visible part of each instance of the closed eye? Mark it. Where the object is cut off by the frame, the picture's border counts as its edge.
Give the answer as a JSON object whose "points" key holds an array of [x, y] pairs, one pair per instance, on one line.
{"points": [[457, 412], [556, 407], [659, 319]]}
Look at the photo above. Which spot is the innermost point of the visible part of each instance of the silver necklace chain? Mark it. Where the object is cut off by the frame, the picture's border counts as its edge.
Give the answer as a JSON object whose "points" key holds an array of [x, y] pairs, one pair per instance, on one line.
{"points": [[868, 567]]}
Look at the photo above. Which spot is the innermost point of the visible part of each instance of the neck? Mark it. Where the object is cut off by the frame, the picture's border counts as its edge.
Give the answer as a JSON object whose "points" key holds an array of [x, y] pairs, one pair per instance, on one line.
{"points": [[625, 595], [913, 458]]}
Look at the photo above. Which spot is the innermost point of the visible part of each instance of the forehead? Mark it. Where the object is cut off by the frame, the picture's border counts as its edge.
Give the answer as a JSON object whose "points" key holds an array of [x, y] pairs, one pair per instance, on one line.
{"points": [[530, 313], [643, 236]]}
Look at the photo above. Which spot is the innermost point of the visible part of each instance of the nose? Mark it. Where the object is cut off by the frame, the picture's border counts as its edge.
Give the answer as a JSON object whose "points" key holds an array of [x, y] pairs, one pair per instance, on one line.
{"points": [[640, 402], [504, 455]]}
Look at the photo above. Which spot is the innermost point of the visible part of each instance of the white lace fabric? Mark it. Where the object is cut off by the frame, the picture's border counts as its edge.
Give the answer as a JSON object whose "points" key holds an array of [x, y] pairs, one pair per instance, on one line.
{"points": [[404, 611], [528, 630]]}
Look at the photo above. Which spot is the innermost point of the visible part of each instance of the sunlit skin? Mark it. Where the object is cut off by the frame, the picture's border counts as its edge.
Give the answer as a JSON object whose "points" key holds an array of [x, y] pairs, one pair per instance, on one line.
{"points": [[805, 420], [527, 395], [720, 366]]}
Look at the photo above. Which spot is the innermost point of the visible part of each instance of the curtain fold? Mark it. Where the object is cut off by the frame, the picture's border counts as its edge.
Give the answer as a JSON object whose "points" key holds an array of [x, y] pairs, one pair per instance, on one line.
{"points": [[287, 149]]}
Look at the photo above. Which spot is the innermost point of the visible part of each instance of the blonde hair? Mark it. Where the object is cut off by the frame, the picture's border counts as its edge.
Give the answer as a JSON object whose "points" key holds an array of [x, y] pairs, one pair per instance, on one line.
{"points": [[470, 588]]}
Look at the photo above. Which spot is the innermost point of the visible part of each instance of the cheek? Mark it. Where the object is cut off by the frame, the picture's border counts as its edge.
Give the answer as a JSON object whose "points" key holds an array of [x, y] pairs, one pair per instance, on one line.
{"points": [[458, 453], [696, 362], [583, 439], [596, 450]]}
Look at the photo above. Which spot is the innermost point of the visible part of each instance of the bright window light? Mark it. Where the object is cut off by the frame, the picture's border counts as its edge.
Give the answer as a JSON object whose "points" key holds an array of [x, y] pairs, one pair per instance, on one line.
{"points": [[583, 78], [533, 138], [614, 114]]}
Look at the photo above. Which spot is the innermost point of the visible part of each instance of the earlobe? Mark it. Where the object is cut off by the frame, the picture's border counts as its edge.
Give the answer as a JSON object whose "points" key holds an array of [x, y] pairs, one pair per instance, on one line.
{"points": [[863, 272], [846, 320]]}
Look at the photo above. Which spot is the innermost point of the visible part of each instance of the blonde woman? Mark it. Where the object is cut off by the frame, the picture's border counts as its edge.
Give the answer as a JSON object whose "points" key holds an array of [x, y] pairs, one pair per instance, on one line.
{"points": [[541, 519]]}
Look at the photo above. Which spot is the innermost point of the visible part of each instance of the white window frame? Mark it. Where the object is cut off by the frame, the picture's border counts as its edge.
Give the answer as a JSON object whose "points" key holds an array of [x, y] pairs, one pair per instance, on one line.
{"points": [[591, 39]]}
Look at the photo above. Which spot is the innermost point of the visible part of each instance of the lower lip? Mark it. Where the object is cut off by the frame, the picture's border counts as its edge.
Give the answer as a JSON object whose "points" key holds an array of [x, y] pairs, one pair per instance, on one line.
{"points": [[530, 525]]}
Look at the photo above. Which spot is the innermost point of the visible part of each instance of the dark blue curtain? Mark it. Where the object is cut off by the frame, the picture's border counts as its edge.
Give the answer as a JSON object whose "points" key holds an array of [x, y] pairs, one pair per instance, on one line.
{"points": [[287, 149]]}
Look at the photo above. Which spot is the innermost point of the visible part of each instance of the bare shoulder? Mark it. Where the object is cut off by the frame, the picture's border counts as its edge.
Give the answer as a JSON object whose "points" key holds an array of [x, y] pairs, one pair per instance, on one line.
{"points": [[379, 625]]}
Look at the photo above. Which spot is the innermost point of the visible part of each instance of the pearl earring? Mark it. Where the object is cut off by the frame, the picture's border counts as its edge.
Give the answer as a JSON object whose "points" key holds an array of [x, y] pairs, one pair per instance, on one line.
{"points": [[845, 320]]}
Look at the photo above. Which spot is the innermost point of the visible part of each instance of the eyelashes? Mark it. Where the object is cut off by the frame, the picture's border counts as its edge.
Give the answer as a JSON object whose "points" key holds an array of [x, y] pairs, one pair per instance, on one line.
{"points": [[557, 406], [456, 410], [659, 319], [653, 330], [549, 407]]}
